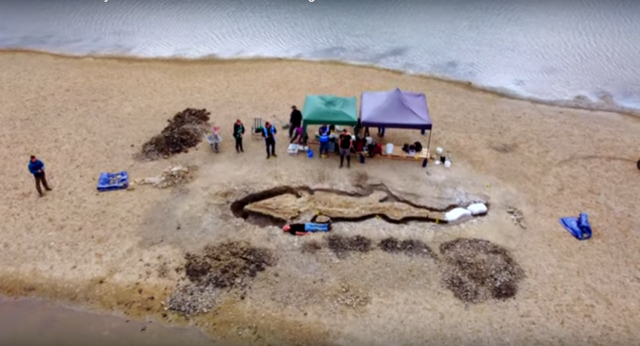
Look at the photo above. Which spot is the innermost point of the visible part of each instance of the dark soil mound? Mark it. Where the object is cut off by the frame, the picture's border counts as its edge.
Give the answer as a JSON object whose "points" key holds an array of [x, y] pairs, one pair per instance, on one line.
{"points": [[390, 245], [184, 131], [477, 270], [227, 265], [410, 247], [312, 247], [413, 247], [342, 246]]}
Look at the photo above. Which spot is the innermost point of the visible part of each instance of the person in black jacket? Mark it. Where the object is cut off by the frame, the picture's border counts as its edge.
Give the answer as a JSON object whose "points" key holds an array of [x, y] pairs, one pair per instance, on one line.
{"points": [[295, 120], [238, 133]]}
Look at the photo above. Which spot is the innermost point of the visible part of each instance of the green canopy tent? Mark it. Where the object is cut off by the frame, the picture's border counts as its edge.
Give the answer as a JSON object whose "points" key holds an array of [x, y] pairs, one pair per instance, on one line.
{"points": [[329, 109]]}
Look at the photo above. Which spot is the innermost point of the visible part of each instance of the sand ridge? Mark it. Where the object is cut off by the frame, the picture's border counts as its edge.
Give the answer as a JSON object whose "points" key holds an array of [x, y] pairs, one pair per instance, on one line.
{"points": [[84, 116]]}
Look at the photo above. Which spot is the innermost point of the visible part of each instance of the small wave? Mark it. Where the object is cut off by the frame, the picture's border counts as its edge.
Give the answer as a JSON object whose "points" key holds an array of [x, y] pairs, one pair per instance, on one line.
{"points": [[603, 102]]}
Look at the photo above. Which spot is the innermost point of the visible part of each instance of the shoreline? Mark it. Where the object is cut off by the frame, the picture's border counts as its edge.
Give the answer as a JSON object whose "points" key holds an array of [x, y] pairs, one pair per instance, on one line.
{"points": [[579, 102], [37, 321], [124, 250]]}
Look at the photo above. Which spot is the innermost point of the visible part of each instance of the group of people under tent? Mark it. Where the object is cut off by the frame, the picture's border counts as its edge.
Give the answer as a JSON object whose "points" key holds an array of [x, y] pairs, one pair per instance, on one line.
{"points": [[326, 134]]}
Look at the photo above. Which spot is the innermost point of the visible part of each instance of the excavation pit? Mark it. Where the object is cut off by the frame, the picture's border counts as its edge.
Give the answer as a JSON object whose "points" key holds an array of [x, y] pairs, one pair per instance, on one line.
{"points": [[283, 204]]}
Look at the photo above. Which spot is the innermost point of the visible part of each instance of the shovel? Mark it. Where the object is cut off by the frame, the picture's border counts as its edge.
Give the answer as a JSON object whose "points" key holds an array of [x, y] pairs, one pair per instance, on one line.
{"points": [[286, 126]]}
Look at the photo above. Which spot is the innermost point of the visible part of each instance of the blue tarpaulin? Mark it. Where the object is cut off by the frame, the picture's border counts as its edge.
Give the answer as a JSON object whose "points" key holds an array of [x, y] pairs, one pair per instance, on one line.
{"points": [[579, 227], [113, 181]]}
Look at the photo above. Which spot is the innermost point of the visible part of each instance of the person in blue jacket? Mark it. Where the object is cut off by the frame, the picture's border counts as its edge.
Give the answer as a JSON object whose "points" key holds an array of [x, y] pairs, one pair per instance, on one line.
{"points": [[36, 167], [269, 134], [324, 133]]}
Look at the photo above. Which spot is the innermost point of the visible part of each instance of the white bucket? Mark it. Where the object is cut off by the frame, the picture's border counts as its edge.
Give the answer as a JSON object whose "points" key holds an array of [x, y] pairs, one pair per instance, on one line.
{"points": [[447, 164], [369, 140], [389, 148], [439, 150]]}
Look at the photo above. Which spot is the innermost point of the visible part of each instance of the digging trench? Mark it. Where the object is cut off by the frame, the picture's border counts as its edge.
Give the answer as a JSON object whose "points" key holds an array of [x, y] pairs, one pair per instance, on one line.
{"points": [[239, 210]]}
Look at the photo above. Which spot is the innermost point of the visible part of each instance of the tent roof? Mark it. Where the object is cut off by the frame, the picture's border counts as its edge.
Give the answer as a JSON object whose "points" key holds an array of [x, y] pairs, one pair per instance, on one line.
{"points": [[395, 108], [330, 109]]}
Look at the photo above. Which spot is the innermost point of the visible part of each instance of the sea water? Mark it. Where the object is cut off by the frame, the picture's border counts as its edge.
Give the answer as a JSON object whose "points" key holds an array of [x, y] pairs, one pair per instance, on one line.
{"points": [[569, 50]]}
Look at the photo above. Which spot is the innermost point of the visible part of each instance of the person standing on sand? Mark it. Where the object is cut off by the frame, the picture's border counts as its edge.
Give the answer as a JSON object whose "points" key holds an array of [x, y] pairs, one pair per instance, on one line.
{"points": [[36, 167], [346, 144], [238, 133], [297, 135], [269, 133], [295, 120], [324, 131]]}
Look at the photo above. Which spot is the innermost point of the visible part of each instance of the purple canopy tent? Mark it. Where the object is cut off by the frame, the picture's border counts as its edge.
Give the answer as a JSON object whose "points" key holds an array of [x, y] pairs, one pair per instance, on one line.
{"points": [[395, 109]]}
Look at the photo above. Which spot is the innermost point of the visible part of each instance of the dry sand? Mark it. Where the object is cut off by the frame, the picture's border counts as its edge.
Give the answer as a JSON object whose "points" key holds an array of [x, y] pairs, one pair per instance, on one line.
{"points": [[118, 250]]}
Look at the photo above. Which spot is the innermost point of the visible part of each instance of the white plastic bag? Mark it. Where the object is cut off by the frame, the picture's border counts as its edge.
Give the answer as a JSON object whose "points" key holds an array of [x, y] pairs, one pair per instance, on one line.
{"points": [[456, 214], [477, 209]]}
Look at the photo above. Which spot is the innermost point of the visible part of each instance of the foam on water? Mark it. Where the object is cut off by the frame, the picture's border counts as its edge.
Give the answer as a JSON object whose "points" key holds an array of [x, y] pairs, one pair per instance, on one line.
{"points": [[577, 52]]}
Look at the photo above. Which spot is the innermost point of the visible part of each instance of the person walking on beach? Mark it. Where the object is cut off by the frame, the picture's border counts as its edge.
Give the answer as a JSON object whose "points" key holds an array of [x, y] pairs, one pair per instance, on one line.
{"points": [[269, 133], [295, 120], [36, 167], [238, 133], [345, 147]]}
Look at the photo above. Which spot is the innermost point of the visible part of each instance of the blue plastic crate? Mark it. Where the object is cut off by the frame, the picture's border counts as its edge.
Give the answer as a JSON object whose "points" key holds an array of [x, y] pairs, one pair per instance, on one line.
{"points": [[113, 181]]}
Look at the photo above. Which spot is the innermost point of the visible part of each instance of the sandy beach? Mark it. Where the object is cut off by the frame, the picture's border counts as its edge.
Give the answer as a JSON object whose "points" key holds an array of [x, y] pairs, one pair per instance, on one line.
{"points": [[122, 250]]}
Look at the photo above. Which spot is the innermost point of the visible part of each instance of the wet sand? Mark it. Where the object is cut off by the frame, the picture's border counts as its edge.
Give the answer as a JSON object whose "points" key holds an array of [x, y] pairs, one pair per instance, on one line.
{"points": [[37, 322], [123, 251]]}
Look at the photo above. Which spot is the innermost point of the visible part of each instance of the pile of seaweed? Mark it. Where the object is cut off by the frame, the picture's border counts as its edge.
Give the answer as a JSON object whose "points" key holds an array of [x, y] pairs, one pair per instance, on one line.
{"points": [[184, 131]]}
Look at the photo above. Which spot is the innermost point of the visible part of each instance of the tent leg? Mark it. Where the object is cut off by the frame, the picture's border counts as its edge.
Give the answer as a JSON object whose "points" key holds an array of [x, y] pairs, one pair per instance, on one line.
{"points": [[429, 145]]}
